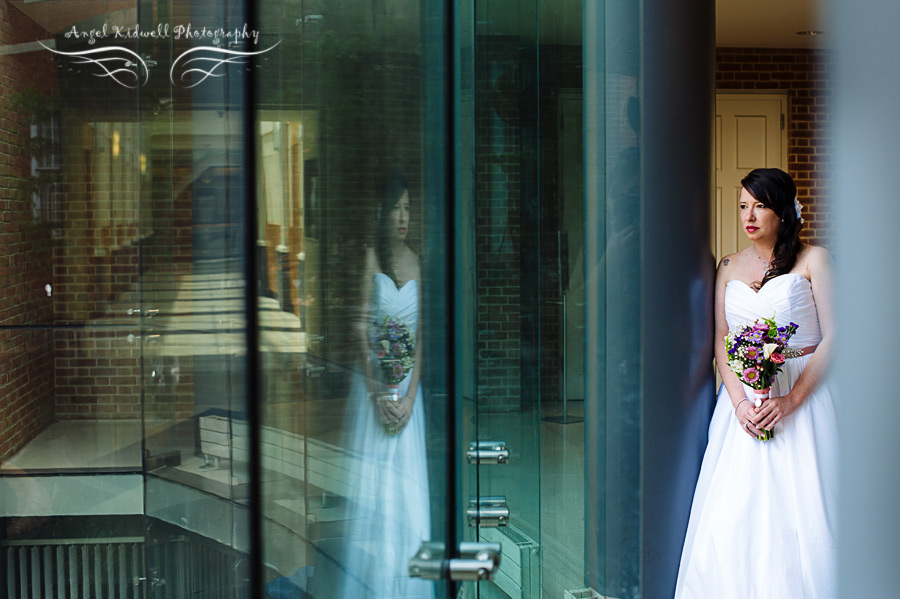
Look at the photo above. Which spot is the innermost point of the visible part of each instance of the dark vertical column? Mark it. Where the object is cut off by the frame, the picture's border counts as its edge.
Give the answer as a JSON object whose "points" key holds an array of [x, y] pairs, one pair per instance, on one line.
{"points": [[867, 130], [649, 93], [677, 81], [254, 398], [440, 292]]}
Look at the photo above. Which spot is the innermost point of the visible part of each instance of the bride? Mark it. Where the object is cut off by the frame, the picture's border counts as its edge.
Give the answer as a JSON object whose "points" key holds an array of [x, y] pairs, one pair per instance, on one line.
{"points": [[762, 519], [388, 507]]}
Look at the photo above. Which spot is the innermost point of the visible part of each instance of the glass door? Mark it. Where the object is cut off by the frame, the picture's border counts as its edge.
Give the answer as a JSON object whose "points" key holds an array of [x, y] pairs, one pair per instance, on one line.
{"points": [[355, 241], [523, 358]]}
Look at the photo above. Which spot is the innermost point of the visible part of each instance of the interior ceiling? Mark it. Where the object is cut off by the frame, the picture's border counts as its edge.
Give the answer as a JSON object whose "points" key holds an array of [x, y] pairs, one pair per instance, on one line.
{"points": [[769, 23], [739, 23]]}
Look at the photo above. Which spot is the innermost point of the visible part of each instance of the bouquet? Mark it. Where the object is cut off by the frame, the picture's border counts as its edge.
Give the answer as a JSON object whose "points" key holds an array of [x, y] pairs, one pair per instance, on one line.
{"points": [[755, 354], [394, 345]]}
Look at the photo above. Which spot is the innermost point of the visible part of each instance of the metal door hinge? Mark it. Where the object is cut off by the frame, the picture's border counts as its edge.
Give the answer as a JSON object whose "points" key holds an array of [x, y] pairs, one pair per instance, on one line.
{"points": [[487, 452], [476, 561], [488, 512]]}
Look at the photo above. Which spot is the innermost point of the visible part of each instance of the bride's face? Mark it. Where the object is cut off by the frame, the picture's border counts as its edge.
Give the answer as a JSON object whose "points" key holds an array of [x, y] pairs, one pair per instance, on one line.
{"points": [[398, 218], [759, 221]]}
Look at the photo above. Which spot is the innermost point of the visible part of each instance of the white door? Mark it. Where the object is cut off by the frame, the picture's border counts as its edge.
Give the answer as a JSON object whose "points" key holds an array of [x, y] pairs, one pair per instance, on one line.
{"points": [[750, 133]]}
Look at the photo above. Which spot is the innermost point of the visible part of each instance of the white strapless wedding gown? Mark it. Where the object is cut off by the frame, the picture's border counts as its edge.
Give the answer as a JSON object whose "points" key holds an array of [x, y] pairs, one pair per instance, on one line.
{"points": [[388, 513], [762, 520]]}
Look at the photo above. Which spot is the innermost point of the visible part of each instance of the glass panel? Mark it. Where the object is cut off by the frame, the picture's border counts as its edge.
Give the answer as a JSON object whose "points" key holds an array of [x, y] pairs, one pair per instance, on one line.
{"points": [[127, 311], [613, 298], [194, 298], [524, 358], [71, 484], [509, 274], [350, 127]]}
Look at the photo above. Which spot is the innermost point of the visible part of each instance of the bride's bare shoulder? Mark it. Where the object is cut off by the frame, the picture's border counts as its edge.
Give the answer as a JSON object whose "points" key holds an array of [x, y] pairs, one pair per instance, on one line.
{"points": [[814, 259], [729, 262], [730, 266]]}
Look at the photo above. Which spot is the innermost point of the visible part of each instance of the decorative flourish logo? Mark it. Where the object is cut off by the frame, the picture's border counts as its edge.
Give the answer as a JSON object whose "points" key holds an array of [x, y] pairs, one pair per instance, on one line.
{"points": [[220, 57], [128, 69], [111, 63]]}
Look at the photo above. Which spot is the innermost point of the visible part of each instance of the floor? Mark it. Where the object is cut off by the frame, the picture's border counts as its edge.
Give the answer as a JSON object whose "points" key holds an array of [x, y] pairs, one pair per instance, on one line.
{"points": [[543, 483], [80, 446]]}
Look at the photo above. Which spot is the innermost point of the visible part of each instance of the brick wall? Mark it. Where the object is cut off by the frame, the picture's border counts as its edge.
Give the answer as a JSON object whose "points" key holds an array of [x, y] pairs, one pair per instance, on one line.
{"points": [[26, 385], [803, 74]]}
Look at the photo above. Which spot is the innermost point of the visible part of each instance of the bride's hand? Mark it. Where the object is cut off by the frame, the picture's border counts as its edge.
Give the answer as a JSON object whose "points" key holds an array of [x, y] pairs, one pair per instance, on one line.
{"points": [[396, 414], [745, 415], [774, 410]]}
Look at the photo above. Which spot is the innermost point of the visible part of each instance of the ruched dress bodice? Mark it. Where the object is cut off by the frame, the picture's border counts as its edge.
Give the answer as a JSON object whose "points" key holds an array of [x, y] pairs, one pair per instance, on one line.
{"points": [[789, 298], [400, 303]]}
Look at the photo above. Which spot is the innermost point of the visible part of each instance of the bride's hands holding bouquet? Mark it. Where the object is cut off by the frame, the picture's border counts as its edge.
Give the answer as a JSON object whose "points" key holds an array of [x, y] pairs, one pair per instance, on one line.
{"points": [[395, 415], [746, 413], [774, 410]]}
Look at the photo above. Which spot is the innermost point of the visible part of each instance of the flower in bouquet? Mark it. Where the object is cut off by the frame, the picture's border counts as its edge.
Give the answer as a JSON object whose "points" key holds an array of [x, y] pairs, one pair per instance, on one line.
{"points": [[395, 346], [756, 353]]}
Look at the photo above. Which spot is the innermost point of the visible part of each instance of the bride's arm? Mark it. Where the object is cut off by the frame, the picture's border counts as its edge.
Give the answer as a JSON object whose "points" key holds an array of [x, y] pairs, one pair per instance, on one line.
{"points": [[743, 410], [819, 272], [401, 411], [364, 317]]}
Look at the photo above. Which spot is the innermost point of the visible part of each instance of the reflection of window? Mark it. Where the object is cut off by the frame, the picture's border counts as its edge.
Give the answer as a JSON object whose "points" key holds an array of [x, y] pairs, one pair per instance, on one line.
{"points": [[287, 148], [45, 136], [114, 170], [44, 165]]}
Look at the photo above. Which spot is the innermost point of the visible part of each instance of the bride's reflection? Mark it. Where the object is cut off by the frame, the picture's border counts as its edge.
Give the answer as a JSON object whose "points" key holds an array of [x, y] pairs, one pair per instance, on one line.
{"points": [[388, 509]]}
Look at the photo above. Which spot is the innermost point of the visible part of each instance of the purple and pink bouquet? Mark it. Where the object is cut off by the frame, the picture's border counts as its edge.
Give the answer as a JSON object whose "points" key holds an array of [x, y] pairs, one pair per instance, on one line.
{"points": [[394, 345], [755, 355]]}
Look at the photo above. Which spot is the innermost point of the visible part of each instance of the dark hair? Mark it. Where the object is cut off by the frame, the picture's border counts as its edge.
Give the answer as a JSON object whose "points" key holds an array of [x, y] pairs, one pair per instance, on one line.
{"points": [[390, 188], [777, 191]]}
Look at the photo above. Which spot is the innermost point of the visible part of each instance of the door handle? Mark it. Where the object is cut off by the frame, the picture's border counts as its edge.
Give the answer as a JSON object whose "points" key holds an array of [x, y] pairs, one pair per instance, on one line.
{"points": [[476, 561], [487, 452], [489, 512]]}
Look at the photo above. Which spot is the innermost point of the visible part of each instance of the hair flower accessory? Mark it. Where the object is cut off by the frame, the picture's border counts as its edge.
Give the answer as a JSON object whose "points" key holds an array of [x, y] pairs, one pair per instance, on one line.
{"points": [[798, 207]]}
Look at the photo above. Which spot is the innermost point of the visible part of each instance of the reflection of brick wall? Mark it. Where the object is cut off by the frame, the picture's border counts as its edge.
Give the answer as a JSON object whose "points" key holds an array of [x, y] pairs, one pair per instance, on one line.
{"points": [[98, 375], [507, 255], [498, 201], [98, 372], [560, 69], [804, 75], [26, 383]]}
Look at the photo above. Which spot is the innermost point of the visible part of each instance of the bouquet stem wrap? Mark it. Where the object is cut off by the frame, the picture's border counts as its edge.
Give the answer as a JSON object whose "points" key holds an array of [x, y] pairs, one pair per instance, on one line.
{"points": [[389, 393], [759, 396]]}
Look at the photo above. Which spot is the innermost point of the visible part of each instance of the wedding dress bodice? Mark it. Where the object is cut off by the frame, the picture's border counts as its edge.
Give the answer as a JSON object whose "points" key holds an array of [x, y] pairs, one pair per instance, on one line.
{"points": [[788, 297], [389, 300]]}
